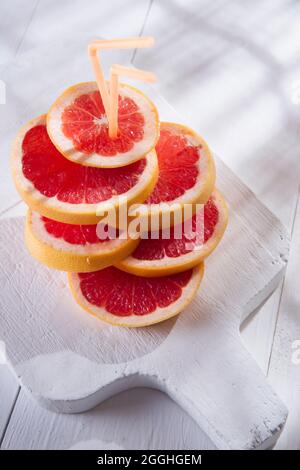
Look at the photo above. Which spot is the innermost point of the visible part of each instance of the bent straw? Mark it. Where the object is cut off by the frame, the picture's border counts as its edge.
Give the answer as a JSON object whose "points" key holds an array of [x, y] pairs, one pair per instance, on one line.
{"points": [[115, 71], [96, 45], [133, 72], [92, 51], [127, 43]]}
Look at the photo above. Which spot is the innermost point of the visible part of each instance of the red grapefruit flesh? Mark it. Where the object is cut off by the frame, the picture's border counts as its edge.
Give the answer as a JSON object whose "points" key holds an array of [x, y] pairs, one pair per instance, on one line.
{"points": [[161, 256], [127, 300], [186, 169], [78, 126], [71, 193]]}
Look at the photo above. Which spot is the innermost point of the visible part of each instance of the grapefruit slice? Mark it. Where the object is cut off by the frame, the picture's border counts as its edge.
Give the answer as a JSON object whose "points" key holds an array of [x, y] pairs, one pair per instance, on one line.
{"points": [[71, 193], [78, 126], [159, 257], [72, 247], [124, 299], [186, 171]]}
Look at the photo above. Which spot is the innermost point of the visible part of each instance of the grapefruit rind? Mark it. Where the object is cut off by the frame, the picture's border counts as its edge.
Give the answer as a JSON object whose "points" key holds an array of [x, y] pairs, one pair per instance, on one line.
{"points": [[65, 145], [66, 212], [58, 254], [133, 321], [168, 265]]}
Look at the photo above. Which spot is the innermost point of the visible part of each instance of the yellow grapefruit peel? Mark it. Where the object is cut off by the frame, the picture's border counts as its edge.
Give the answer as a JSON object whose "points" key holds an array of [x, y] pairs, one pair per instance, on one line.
{"points": [[76, 258]]}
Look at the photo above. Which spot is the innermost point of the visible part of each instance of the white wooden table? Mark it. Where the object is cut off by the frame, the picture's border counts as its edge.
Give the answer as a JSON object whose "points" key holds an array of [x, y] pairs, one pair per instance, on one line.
{"points": [[242, 90]]}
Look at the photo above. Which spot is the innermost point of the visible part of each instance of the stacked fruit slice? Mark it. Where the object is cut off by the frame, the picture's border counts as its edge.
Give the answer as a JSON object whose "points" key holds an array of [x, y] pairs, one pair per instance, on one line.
{"points": [[71, 174]]}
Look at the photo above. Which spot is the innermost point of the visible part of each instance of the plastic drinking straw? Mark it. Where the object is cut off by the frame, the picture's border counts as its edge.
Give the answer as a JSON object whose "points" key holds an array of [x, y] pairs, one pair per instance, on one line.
{"points": [[93, 48], [115, 71]]}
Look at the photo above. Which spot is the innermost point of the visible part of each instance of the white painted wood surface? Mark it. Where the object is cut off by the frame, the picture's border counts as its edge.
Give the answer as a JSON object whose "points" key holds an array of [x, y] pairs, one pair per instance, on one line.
{"points": [[240, 96], [134, 419], [284, 373], [15, 20], [9, 392]]}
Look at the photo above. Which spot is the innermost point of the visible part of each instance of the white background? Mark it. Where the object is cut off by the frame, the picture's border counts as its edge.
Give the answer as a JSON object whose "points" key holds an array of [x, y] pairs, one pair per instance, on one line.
{"points": [[232, 68]]}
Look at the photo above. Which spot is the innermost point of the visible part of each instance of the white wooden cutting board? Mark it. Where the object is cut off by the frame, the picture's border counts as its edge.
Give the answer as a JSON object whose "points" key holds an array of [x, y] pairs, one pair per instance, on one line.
{"points": [[70, 361]]}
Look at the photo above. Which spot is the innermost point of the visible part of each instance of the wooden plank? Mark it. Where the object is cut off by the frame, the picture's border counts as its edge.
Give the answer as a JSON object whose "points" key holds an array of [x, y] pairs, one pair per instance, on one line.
{"points": [[135, 419], [284, 372], [9, 389], [258, 330], [9, 386], [17, 209], [15, 18], [93, 19]]}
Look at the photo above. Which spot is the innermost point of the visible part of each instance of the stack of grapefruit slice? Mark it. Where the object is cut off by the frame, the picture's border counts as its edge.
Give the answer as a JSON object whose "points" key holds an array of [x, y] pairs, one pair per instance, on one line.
{"points": [[71, 174]]}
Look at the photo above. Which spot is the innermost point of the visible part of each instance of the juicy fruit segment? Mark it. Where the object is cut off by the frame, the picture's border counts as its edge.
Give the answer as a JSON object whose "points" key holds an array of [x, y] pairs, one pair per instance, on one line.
{"points": [[55, 176], [186, 169], [154, 249], [68, 192], [73, 248], [173, 250], [125, 299], [73, 234], [124, 294], [78, 126], [85, 123], [178, 167]]}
